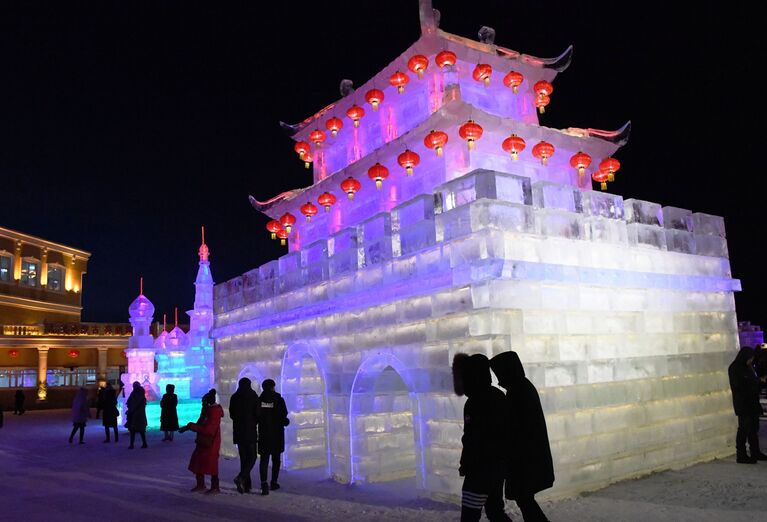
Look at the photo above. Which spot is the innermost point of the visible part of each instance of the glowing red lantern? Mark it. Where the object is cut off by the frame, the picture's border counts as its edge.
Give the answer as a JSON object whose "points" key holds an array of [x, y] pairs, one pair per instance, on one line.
{"points": [[301, 148], [307, 157], [513, 80], [399, 80], [287, 221], [418, 64], [514, 145], [13, 354], [274, 226], [326, 200], [580, 161], [543, 88], [543, 151], [378, 173], [350, 186], [355, 113], [601, 177], [374, 97], [317, 136], [283, 235], [74, 354], [445, 58], [435, 140], [334, 125], [610, 166], [471, 131], [308, 210], [409, 160], [482, 73], [541, 102]]}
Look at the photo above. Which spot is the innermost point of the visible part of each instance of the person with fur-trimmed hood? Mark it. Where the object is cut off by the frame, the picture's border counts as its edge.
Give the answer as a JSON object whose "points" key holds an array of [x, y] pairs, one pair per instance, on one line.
{"points": [[530, 466], [484, 439]]}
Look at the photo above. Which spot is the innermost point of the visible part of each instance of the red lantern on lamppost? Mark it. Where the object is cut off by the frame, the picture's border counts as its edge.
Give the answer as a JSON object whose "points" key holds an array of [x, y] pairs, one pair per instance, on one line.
{"points": [[445, 58], [418, 64], [334, 125], [580, 161], [482, 73], [350, 186], [409, 160], [514, 145], [308, 210], [610, 166], [513, 80], [273, 227], [355, 113], [543, 151], [436, 140], [471, 131], [378, 173], [287, 221], [374, 97], [399, 80], [326, 200]]}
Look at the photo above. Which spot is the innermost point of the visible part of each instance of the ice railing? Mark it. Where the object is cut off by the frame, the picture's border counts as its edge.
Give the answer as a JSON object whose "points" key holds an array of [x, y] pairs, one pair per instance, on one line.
{"points": [[482, 199]]}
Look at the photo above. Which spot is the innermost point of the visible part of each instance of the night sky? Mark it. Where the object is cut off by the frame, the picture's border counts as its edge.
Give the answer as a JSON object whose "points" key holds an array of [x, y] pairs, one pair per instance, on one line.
{"points": [[124, 126]]}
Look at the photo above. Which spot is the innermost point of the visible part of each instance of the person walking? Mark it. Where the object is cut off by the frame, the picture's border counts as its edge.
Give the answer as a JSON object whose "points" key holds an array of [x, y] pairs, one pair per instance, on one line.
{"points": [[110, 412], [80, 414], [243, 408], [99, 401], [745, 401], [272, 419], [168, 412], [485, 425], [530, 468], [18, 402], [207, 444], [136, 415]]}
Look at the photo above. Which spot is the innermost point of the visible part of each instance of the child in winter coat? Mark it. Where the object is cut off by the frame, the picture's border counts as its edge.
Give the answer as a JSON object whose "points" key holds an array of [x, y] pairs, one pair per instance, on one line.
{"points": [[168, 413], [204, 459], [80, 414], [272, 419]]}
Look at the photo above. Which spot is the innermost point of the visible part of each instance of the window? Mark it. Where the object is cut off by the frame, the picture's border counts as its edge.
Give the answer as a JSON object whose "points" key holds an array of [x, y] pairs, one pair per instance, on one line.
{"points": [[17, 378], [55, 278], [6, 267], [30, 269]]}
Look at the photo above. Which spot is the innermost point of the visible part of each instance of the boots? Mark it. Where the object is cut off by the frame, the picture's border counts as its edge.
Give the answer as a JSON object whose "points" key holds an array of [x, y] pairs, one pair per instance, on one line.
{"points": [[214, 489], [200, 483], [264, 488]]}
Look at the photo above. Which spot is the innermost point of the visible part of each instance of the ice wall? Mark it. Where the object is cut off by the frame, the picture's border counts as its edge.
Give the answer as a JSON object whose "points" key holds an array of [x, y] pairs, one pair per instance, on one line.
{"points": [[621, 310]]}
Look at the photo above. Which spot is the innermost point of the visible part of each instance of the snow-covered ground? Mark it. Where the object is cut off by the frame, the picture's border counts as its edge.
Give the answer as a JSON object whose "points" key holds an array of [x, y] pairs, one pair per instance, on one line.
{"points": [[42, 477]]}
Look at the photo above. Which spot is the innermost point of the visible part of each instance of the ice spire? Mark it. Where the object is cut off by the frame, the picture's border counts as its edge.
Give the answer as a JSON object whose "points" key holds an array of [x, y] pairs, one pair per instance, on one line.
{"points": [[204, 251]]}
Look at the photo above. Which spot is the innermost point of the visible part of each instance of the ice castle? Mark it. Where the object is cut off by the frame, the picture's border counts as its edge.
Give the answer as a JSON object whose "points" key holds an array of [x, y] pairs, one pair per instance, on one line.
{"points": [[175, 357], [485, 236]]}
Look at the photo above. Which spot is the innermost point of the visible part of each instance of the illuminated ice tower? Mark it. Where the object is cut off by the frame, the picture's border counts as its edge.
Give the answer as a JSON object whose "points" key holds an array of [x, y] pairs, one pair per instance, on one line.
{"points": [[140, 352], [443, 218], [200, 351]]}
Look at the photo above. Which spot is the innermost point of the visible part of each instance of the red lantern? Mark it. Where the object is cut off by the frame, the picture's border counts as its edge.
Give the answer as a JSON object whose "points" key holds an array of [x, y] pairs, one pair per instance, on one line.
{"points": [[307, 157], [610, 166], [445, 58], [326, 200], [418, 64], [514, 145], [283, 235], [543, 151], [513, 80], [274, 226], [482, 73], [334, 125], [601, 177], [543, 88], [301, 148], [541, 102], [308, 210], [317, 136], [471, 132], [13, 354], [435, 140], [399, 80], [355, 113], [287, 221], [74, 354], [580, 161], [409, 160], [374, 97], [378, 173], [350, 186]]}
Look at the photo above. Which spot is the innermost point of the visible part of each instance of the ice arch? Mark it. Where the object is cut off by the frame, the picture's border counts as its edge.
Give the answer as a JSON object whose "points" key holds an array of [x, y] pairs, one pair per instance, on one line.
{"points": [[252, 372]]}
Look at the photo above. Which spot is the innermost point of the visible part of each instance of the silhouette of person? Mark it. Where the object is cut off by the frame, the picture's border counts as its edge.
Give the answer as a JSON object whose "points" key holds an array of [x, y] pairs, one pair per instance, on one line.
{"points": [[80, 414], [99, 401], [272, 419], [109, 414], [483, 460], [136, 414], [204, 459], [530, 467], [745, 401], [169, 413], [18, 402], [243, 410]]}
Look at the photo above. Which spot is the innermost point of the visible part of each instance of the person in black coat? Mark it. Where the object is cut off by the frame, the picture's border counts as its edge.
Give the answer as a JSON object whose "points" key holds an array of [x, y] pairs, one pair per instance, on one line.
{"points": [[109, 414], [745, 400], [168, 412], [485, 431], [530, 466], [243, 409], [272, 419], [136, 414], [18, 402], [99, 401]]}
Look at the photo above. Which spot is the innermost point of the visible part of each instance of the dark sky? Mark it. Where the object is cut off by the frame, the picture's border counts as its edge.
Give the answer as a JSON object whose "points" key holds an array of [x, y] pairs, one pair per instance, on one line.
{"points": [[124, 126]]}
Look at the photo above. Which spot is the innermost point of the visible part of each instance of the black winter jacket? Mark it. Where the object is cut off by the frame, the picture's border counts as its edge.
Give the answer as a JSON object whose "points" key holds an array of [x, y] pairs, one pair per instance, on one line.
{"points": [[272, 419], [744, 385], [243, 410]]}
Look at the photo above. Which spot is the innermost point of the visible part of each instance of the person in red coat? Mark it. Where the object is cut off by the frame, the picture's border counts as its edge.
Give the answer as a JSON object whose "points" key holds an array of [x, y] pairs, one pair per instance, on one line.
{"points": [[207, 444]]}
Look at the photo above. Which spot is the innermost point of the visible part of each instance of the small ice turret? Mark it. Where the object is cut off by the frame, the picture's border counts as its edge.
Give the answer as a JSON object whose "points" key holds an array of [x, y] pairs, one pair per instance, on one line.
{"points": [[140, 352]]}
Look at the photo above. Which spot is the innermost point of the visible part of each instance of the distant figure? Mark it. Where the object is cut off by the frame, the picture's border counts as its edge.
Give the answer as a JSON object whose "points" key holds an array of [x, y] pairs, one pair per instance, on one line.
{"points": [[99, 401], [483, 461], [530, 467], [204, 459], [745, 400], [272, 419], [1, 415], [168, 413], [80, 414], [243, 409], [18, 402], [136, 415], [110, 413]]}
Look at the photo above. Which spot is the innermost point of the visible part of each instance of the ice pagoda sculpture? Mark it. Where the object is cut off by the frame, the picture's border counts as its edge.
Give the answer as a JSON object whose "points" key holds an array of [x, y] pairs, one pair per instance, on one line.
{"points": [[622, 311]]}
